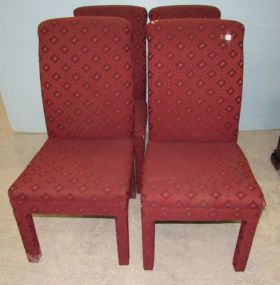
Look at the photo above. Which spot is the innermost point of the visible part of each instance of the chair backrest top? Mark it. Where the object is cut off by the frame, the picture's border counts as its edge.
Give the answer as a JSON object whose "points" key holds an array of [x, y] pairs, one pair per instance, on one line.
{"points": [[129, 12], [86, 77], [195, 79], [138, 18], [184, 11]]}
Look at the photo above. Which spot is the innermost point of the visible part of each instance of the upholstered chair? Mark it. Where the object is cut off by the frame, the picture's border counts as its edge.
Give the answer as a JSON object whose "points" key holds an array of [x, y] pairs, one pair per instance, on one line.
{"points": [[138, 18], [85, 166], [194, 169]]}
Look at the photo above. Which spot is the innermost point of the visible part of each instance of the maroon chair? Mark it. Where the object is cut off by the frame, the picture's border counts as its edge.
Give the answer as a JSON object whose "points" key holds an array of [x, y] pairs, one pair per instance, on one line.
{"points": [[86, 164], [184, 11], [194, 169], [138, 18]]}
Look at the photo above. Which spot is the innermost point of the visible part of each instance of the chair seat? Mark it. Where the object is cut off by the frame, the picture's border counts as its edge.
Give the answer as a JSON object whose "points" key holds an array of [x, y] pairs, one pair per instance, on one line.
{"points": [[200, 175], [93, 172]]}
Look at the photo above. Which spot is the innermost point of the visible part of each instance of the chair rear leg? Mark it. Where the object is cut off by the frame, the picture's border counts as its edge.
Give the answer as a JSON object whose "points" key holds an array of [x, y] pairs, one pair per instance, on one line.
{"points": [[28, 235], [148, 242], [244, 243], [132, 193], [122, 238], [139, 161]]}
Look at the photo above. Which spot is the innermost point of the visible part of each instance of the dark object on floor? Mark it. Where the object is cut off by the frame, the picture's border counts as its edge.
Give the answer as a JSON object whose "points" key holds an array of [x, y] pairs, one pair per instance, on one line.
{"points": [[275, 156]]}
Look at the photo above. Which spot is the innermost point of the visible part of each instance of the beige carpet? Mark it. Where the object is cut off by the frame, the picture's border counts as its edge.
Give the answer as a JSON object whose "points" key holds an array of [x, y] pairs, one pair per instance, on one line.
{"points": [[83, 250]]}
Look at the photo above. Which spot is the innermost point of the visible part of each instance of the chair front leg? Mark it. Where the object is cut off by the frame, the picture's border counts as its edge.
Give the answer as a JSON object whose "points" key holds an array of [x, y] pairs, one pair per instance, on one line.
{"points": [[244, 243], [28, 235], [148, 241], [122, 238]]}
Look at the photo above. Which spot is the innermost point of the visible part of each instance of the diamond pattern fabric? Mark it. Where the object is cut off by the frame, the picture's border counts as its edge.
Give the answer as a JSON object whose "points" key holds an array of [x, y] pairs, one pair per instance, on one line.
{"points": [[184, 11], [195, 80], [138, 19], [193, 169], [78, 174], [86, 77], [183, 175], [86, 165]]}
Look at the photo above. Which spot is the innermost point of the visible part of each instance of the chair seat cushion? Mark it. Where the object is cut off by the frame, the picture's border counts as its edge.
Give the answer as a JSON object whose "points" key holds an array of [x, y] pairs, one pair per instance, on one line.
{"points": [[200, 175], [140, 118], [95, 172]]}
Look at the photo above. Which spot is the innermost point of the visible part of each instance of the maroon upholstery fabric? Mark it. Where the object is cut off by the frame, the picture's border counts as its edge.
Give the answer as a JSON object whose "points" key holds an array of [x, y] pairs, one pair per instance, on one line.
{"points": [[183, 175], [76, 173], [184, 11], [86, 81], [138, 18], [194, 170], [195, 80], [139, 138], [140, 118], [86, 165]]}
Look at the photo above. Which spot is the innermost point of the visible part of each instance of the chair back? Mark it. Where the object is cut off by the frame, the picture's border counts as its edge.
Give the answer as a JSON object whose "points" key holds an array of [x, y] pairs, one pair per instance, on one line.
{"points": [[195, 79], [184, 11], [86, 77], [138, 18]]}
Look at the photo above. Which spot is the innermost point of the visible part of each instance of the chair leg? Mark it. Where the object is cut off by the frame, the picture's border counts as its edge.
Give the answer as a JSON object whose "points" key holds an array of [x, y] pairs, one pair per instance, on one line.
{"points": [[28, 235], [139, 171], [244, 243], [122, 238], [139, 160], [148, 242], [132, 193]]}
